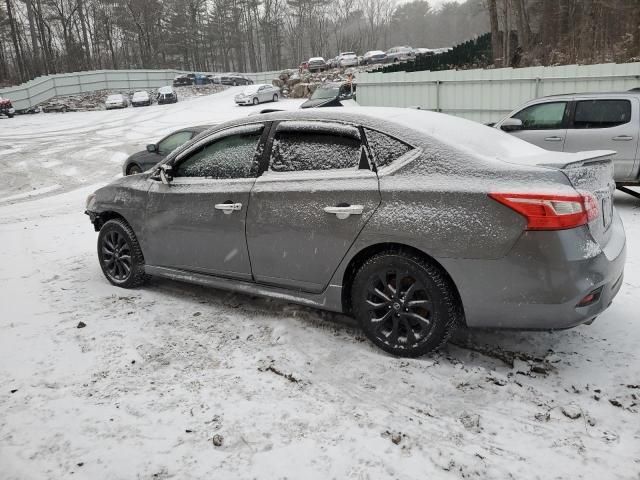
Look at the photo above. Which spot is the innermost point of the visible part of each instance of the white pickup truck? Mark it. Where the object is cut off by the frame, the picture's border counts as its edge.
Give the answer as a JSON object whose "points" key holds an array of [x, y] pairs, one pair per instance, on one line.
{"points": [[581, 122]]}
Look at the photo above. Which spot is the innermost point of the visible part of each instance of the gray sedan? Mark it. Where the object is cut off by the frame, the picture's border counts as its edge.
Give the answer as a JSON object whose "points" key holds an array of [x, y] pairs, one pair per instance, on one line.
{"points": [[413, 222]]}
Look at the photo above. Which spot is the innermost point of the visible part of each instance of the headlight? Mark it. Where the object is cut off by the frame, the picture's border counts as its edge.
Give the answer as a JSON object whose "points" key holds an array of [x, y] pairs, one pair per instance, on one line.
{"points": [[90, 200]]}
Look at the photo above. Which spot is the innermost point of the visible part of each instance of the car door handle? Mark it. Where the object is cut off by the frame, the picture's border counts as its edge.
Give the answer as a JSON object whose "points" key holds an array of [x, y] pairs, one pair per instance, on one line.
{"points": [[553, 139], [228, 208], [622, 138], [345, 212]]}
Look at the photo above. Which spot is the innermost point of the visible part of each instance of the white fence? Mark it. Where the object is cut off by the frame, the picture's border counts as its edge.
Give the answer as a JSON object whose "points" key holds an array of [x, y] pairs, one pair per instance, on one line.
{"points": [[488, 95], [43, 88]]}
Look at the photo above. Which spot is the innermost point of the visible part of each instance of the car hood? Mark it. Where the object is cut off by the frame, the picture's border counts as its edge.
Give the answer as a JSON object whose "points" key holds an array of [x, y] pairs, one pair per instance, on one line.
{"points": [[321, 102]]}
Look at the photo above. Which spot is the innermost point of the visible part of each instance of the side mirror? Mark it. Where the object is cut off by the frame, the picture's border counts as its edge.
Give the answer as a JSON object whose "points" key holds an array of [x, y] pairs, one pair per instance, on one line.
{"points": [[511, 125], [166, 173], [152, 148]]}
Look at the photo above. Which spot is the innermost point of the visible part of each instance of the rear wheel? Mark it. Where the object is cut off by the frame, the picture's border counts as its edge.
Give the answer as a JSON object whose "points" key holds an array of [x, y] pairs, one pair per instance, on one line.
{"points": [[120, 254], [404, 304], [275, 97]]}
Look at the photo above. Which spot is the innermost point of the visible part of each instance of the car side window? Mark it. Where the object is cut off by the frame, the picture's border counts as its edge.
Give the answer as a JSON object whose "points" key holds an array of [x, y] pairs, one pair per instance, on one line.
{"points": [[543, 116], [300, 146], [230, 155], [173, 141], [601, 113], [386, 149]]}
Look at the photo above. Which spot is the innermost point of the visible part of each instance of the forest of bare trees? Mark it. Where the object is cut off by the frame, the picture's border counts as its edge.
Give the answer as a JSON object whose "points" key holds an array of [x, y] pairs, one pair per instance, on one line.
{"points": [[551, 32], [50, 36]]}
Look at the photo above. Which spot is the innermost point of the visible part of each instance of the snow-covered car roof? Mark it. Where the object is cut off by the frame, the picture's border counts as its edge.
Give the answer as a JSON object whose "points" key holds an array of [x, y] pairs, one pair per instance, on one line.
{"points": [[374, 52], [316, 59], [254, 88], [166, 89], [115, 96]]}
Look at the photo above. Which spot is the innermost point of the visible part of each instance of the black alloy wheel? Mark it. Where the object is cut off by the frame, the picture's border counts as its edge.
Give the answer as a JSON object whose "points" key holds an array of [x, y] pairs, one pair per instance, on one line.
{"points": [[405, 305], [120, 255]]}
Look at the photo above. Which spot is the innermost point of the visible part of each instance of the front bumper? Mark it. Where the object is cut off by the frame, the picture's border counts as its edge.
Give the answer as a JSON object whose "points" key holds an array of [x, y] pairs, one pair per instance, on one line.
{"points": [[244, 101], [540, 282]]}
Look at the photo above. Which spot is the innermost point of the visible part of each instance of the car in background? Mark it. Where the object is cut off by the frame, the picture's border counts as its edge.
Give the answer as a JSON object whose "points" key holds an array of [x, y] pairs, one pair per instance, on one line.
{"points": [[182, 80], [258, 93], [235, 79], [374, 56], [166, 94], [156, 152], [141, 98], [330, 95], [116, 100], [329, 208], [6, 108], [579, 122], [347, 59], [316, 64], [400, 54]]}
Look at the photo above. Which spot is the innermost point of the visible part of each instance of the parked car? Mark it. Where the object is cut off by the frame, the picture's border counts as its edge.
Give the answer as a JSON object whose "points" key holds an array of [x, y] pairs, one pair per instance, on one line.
{"points": [[303, 65], [400, 54], [156, 152], [182, 80], [374, 56], [202, 79], [141, 98], [347, 59], [116, 100], [235, 79], [258, 93], [316, 64], [396, 216], [330, 95], [589, 121], [166, 95], [6, 108]]}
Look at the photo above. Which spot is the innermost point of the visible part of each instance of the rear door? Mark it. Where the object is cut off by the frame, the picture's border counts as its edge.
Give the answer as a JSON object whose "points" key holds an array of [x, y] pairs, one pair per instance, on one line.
{"points": [[308, 208], [606, 124], [544, 124], [197, 222]]}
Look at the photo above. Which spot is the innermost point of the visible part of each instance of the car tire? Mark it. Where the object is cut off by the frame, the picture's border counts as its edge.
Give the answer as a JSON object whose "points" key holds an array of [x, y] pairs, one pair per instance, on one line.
{"points": [[116, 239], [235, 84], [134, 169], [395, 60], [406, 305], [10, 115], [255, 101], [275, 97]]}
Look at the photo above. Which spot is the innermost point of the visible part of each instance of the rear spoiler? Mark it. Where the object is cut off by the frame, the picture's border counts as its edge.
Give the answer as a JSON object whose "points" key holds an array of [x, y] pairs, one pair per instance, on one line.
{"points": [[562, 160]]}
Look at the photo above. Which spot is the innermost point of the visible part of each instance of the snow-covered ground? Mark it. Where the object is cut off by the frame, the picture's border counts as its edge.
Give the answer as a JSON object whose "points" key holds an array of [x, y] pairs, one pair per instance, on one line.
{"points": [[142, 390]]}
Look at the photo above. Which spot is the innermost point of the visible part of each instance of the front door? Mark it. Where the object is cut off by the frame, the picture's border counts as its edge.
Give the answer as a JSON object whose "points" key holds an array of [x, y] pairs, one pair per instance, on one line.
{"points": [[197, 222], [544, 124], [606, 124], [309, 207]]}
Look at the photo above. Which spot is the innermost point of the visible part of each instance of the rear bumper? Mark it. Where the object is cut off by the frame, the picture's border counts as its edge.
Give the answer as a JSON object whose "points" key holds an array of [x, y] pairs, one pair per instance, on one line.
{"points": [[540, 283]]}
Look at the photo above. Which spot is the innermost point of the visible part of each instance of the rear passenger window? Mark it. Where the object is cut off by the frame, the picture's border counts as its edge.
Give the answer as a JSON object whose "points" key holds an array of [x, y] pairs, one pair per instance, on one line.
{"points": [[385, 148], [601, 113], [301, 145]]}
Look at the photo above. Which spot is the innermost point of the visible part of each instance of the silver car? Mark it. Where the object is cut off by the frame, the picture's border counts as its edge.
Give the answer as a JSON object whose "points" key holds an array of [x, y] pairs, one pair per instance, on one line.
{"points": [[116, 100], [258, 93], [413, 222], [589, 121]]}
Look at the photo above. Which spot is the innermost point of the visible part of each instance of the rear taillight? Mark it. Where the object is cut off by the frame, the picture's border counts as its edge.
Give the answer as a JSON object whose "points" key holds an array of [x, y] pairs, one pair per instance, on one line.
{"points": [[551, 212]]}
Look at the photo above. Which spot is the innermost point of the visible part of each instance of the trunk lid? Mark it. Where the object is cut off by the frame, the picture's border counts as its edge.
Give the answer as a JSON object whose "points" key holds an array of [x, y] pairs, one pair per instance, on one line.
{"points": [[589, 172]]}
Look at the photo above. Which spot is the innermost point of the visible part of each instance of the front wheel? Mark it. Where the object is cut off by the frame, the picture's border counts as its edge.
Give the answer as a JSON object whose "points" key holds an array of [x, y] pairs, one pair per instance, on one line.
{"points": [[275, 97], [256, 101], [120, 254], [404, 304], [134, 170]]}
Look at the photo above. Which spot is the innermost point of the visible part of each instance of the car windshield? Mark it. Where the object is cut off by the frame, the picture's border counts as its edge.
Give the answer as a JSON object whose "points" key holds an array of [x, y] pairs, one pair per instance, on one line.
{"points": [[325, 92]]}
